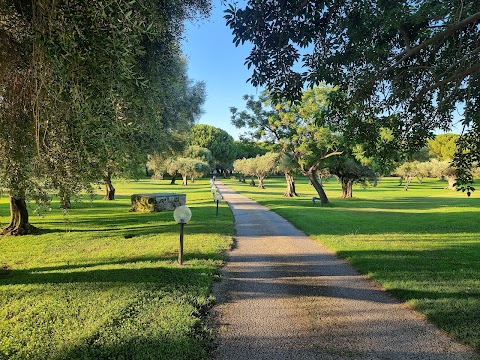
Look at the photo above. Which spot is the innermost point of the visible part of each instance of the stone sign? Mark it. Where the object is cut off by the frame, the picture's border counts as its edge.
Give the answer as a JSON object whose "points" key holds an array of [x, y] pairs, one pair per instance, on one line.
{"points": [[157, 202]]}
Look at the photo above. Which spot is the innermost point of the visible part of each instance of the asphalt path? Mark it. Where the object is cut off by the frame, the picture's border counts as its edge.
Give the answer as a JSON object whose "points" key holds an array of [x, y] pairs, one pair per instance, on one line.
{"points": [[284, 296]]}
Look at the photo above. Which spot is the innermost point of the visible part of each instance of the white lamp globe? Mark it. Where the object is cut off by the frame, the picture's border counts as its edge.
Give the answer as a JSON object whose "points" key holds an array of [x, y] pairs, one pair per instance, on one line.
{"points": [[182, 214], [218, 197]]}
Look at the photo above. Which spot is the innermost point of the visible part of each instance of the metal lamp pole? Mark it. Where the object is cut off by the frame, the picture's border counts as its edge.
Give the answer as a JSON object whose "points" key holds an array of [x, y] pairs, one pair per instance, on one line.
{"points": [[182, 215]]}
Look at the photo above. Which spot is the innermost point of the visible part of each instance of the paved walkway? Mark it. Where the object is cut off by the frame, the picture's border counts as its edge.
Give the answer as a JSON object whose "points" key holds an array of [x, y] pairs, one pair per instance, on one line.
{"points": [[284, 296]]}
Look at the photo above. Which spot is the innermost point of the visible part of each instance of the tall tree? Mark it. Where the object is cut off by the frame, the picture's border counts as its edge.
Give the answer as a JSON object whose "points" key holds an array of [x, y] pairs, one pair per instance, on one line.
{"points": [[416, 60], [299, 129], [218, 141], [443, 146], [67, 93]]}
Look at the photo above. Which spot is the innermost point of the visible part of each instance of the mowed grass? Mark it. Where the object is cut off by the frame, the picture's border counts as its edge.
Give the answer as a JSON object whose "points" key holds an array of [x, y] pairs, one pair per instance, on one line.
{"points": [[422, 245], [103, 283]]}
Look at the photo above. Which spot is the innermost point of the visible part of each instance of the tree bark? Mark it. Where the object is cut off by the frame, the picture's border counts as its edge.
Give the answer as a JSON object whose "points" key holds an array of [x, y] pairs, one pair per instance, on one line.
{"points": [[19, 224], [319, 188], [261, 185], [400, 182], [65, 202], [252, 182], [184, 180], [290, 191], [174, 178], [451, 181], [109, 189], [347, 188], [408, 180]]}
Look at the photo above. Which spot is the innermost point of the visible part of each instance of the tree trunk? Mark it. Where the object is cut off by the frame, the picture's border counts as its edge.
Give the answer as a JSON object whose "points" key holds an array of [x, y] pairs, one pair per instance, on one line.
{"points": [[408, 180], [109, 189], [319, 188], [184, 180], [19, 224], [65, 202], [174, 178], [400, 181], [252, 182], [290, 192], [451, 181], [347, 188], [261, 185]]}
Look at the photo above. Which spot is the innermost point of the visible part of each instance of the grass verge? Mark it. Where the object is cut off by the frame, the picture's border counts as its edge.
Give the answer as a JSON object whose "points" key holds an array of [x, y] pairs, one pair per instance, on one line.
{"points": [[422, 245], [103, 283]]}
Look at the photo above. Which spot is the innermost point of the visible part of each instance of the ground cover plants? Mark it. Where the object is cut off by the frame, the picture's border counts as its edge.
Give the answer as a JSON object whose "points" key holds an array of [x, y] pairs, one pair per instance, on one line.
{"points": [[102, 283], [422, 245]]}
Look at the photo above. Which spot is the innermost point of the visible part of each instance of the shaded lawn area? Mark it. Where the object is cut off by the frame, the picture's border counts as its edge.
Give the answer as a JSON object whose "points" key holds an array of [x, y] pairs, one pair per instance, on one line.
{"points": [[103, 283], [422, 245]]}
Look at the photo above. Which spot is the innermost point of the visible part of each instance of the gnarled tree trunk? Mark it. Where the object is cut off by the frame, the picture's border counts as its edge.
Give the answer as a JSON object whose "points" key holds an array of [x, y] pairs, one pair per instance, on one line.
{"points": [[452, 179], [252, 182], [109, 189], [261, 185], [290, 191], [19, 224], [408, 180], [184, 180], [347, 188], [174, 178], [319, 188]]}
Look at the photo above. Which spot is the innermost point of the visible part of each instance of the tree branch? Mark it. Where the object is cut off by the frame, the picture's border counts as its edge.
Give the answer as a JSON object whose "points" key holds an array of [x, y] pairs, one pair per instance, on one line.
{"points": [[317, 164], [454, 77], [449, 31]]}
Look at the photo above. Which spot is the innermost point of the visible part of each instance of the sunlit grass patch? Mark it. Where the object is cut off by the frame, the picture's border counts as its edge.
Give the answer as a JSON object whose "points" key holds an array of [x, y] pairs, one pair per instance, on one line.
{"points": [[104, 283]]}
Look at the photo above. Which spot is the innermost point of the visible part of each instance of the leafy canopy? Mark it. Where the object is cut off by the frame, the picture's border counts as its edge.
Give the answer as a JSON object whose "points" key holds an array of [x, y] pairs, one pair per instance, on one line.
{"points": [[411, 64]]}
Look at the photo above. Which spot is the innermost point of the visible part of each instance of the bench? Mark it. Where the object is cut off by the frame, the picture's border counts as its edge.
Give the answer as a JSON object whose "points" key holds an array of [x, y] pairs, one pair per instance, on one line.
{"points": [[316, 198]]}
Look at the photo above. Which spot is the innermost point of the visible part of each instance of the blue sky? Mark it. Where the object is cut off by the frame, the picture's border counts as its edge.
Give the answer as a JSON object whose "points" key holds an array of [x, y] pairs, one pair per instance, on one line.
{"points": [[212, 57]]}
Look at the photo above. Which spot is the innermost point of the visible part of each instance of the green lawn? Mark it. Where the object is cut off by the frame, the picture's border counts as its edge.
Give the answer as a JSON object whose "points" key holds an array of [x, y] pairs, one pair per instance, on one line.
{"points": [[103, 283], [422, 245]]}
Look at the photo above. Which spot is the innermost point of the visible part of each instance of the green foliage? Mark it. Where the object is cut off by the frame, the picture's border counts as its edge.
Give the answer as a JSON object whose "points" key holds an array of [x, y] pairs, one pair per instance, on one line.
{"points": [[350, 172], [299, 129], [88, 87], [218, 141], [260, 166], [443, 146], [406, 65], [188, 167], [103, 282], [248, 149], [423, 245], [198, 152]]}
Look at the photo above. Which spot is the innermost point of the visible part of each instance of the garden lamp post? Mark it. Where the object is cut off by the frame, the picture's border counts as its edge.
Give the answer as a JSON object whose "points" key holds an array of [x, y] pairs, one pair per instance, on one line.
{"points": [[182, 215], [217, 197]]}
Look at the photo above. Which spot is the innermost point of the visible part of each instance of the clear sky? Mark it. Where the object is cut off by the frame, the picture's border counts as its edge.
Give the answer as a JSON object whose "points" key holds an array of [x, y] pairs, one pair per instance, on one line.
{"points": [[212, 57]]}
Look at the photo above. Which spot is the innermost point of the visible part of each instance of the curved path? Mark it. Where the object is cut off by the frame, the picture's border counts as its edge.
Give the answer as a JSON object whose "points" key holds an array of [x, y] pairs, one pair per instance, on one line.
{"points": [[285, 296]]}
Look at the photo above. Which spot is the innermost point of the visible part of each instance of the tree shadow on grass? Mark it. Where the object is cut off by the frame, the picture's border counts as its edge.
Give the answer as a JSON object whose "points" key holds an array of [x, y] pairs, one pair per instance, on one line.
{"points": [[135, 270], [138, 347]]}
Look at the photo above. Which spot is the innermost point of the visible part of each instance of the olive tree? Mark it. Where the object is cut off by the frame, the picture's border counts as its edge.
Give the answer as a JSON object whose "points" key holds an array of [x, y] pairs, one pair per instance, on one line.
{"points": [[187, 167], [72, 105]]}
